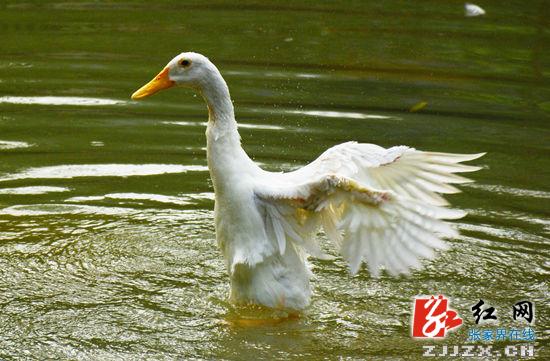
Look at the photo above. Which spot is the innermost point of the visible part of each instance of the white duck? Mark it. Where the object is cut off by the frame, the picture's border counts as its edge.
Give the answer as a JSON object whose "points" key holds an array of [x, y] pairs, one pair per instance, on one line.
{"points": [[377, 205]]}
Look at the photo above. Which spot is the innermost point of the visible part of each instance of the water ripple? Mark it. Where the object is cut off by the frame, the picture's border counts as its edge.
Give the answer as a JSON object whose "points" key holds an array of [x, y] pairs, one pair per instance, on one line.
{"points": [[8, 144], [101, 170], [338, 114], [57, 209], [181, 200], [518, 192], [58, 100], [33, 190], [508, 235]]}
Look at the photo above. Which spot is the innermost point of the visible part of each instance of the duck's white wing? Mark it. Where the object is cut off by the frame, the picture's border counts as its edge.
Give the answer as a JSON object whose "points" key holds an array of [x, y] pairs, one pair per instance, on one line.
{"points": [[406, 171], [380, 206]]}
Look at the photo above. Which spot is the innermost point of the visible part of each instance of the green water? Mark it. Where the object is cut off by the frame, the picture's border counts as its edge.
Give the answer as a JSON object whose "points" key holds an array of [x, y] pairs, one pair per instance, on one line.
{"points": [[116, 258]]}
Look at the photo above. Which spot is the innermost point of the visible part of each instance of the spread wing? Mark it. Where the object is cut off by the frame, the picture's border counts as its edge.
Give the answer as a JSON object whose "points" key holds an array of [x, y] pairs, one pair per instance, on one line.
{"points": [[378, 205], [406, 171]]}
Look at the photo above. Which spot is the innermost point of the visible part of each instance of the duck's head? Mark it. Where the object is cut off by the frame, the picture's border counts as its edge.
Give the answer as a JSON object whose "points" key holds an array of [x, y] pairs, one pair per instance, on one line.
{"points": [[187, 69]]}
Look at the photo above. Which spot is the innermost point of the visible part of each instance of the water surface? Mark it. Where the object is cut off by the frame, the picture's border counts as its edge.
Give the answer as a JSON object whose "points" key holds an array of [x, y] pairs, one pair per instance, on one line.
{"points": [[107, 246]]}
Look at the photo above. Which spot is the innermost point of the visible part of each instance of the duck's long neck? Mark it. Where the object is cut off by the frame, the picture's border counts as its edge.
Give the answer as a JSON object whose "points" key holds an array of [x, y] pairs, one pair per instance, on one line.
{"points": [[221, 117], [226, 158]]}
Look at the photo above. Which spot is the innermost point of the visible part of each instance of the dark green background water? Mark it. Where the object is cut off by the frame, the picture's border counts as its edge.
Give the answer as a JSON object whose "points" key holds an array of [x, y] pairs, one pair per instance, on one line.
{"points": [[116, 258]]}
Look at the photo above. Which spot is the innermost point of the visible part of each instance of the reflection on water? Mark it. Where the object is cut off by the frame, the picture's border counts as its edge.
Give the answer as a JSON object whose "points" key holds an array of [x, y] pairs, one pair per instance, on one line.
{"points": [[335, 114], [107, 245], [101, 170], [512, 191], [6, 144], [58, 209], [179, 200], [277, 74], [56, 100], [33, 190]]}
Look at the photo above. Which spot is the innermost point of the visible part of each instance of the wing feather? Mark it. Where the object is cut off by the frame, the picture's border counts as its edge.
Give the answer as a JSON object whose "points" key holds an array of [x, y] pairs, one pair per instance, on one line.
{"points": [[379, 206], [280, 234]]}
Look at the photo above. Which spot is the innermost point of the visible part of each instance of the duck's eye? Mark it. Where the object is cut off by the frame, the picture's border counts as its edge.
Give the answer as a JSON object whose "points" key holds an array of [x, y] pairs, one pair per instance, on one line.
{"points": [[185, 63]]}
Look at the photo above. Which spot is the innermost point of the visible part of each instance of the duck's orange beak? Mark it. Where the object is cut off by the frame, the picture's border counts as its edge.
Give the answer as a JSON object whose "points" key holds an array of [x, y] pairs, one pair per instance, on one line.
{"points": [[161, 81]]}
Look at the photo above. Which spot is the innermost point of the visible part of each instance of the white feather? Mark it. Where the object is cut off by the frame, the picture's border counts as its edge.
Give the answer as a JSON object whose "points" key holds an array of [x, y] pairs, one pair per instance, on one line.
{"points": [[471, 10]]}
